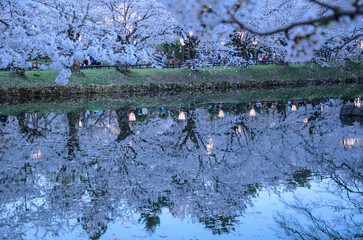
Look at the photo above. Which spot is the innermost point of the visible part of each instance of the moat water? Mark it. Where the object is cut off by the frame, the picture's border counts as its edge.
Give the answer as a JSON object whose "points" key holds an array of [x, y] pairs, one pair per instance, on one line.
{"points": [[250, 170]]}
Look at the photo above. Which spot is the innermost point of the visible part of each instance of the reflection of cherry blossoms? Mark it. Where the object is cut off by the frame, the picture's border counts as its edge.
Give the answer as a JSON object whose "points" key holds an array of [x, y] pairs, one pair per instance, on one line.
{"points": [[206, 168]]}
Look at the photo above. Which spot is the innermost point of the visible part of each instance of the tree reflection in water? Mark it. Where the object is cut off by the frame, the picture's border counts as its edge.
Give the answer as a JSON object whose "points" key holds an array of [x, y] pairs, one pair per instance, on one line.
{"points": [[343, 202], [88, 169]]}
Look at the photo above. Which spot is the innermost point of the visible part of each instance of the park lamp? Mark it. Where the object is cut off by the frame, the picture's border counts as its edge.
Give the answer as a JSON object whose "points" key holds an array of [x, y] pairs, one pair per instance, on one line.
{"points": [[182, 41], [132, 117]]}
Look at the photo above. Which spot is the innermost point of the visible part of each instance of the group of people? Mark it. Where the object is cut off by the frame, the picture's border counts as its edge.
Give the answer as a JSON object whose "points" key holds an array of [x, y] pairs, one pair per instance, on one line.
{"points": [[267, 57], [90, 61], [164, 57], [262, 57]]}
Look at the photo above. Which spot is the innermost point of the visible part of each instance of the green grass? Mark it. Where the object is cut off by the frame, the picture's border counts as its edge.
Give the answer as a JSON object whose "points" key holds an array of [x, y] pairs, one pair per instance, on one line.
{"points": [[110, 77], [31, 79]]}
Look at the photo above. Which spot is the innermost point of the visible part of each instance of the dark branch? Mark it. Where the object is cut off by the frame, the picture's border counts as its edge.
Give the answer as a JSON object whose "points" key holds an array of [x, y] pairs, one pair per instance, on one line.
{"points": [[323, 19]]}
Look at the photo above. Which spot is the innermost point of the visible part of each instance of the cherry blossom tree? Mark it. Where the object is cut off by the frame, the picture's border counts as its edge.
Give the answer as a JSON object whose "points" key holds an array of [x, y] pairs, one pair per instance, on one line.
{"points": [[296, 29], [68, 31], [125, 31]]}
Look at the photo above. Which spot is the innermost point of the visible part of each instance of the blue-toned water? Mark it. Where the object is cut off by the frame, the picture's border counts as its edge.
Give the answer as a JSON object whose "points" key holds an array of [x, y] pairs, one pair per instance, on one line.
{"points": [[259, 170]]}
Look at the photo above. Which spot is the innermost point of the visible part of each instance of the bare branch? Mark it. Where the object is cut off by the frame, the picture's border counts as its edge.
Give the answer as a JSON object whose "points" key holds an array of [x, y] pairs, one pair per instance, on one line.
{"points": [[5, 23]]}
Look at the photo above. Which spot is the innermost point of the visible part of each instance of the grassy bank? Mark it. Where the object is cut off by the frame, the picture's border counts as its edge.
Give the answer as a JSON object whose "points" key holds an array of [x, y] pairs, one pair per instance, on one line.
{"points": [[144, 80], [55, 104]]}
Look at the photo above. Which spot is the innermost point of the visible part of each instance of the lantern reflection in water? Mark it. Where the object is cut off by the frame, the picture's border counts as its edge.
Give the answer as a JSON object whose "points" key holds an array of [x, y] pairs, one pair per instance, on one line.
{"points": [[209, 146], [239, 129], [252, 112], [221, 113], [357, 103], [132, 117], [181, 116]]}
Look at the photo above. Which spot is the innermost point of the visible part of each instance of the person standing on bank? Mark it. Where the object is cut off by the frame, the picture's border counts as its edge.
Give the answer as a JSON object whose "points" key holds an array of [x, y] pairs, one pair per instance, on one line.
{"points": [[172, 57]]}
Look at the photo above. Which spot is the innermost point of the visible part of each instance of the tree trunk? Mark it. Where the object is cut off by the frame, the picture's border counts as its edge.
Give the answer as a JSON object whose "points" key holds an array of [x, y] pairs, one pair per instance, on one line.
{"points": [[122, 68], [75, 69]]}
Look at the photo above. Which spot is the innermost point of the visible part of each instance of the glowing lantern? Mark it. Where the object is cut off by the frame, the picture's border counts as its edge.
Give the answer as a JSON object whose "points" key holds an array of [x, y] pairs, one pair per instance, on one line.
{"points": [[80, 123], [293, 108], [191, 34], [252, 112], [357, 103], [239, 129], [182, 41], [132, 117], [255, 42], [221, 113], [181, 116]]}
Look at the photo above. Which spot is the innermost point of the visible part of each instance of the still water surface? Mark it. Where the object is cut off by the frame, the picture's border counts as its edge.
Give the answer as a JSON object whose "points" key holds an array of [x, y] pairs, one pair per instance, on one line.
{"points": [[206, 171]]}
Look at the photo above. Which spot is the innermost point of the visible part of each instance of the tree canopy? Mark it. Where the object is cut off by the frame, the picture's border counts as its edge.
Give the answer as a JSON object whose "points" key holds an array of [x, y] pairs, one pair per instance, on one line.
{"points": [[125, 31]]}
